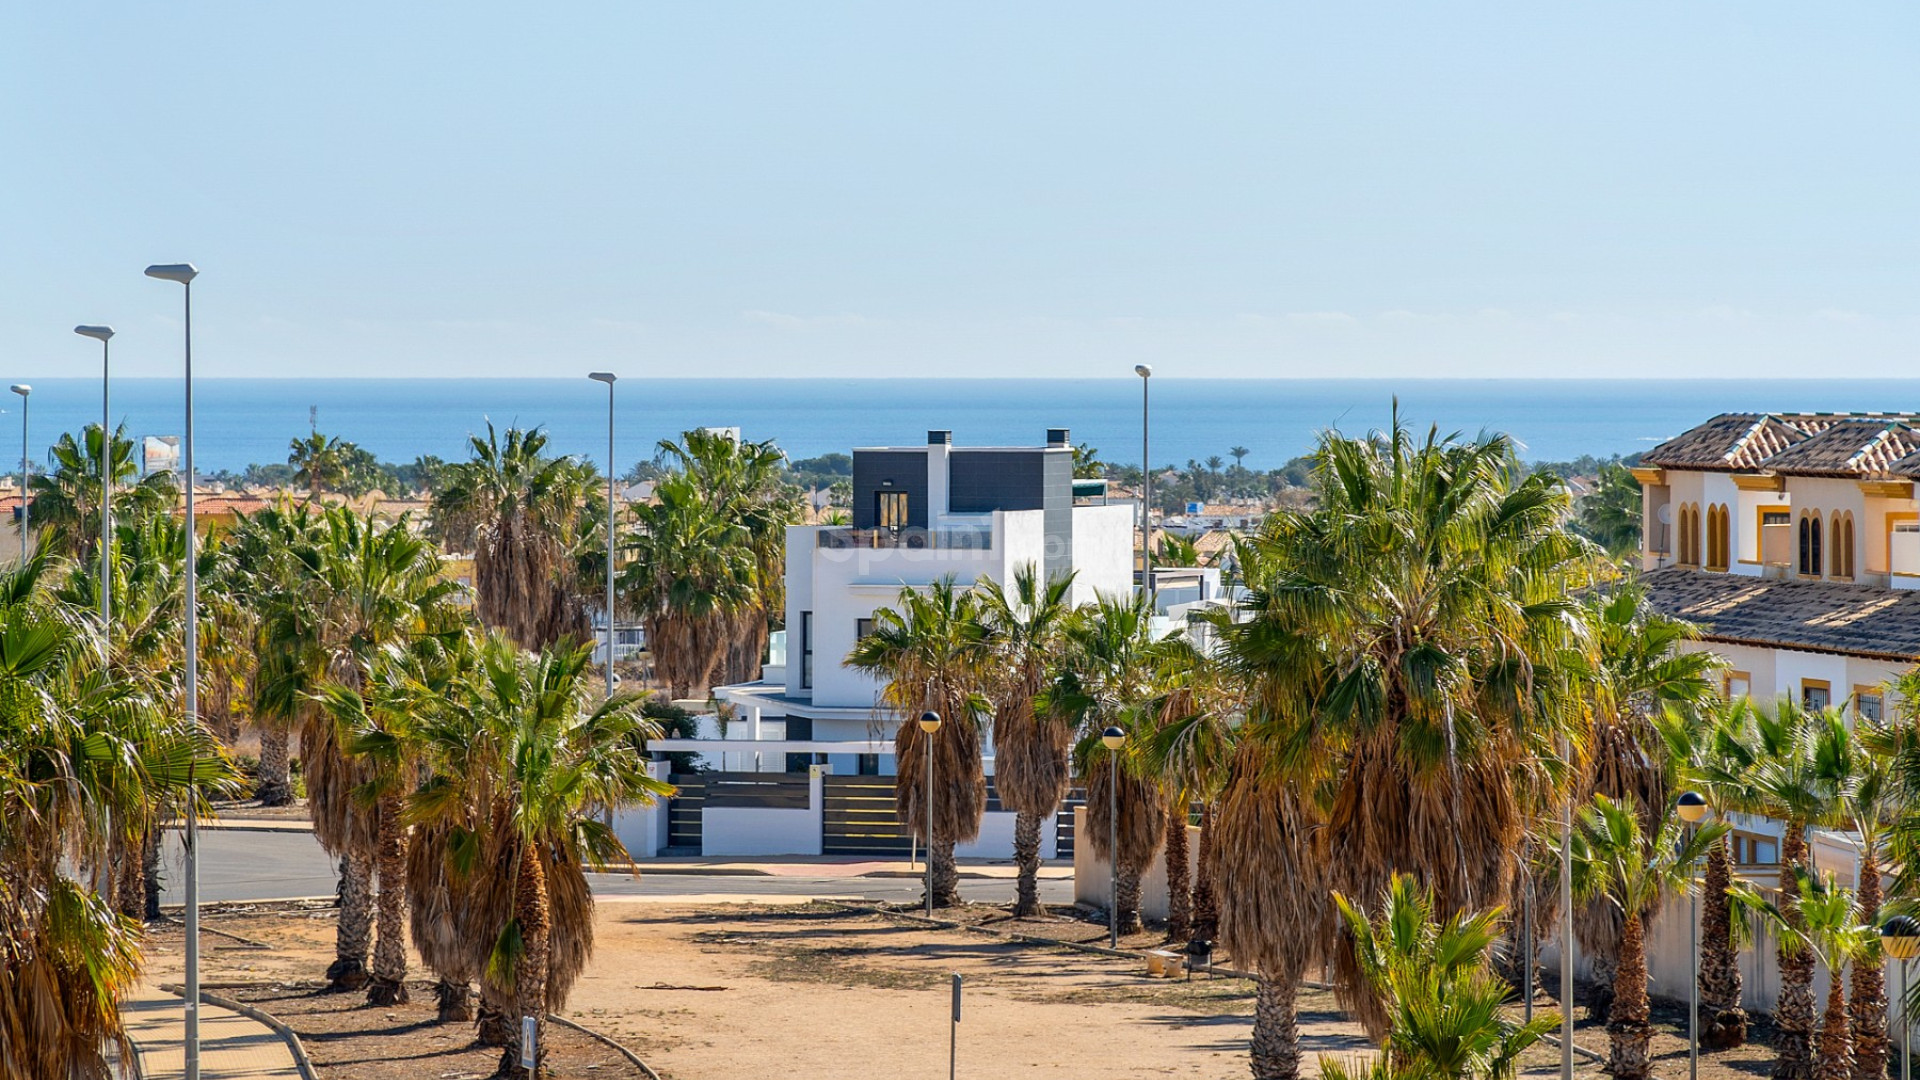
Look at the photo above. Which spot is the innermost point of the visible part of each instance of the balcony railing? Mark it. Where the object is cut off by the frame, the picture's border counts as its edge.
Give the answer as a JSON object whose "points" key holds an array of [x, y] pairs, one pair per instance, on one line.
{"points": [[911, 539]]}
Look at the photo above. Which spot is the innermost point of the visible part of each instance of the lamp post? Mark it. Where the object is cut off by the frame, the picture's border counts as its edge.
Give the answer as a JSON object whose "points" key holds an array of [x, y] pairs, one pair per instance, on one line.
{"points": [[1145, 371], [930, 726], [608, 377], [23, 390], [1692, 809], [1566, 922], [104, 335], [183, 274], [1113, 739], [1526, 927], [1900, 936]]}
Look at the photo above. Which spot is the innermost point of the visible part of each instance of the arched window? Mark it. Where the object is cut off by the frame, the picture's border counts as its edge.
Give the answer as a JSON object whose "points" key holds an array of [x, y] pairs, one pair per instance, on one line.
{"points": [[1842, 560], [1717, 538], [1811, 530], [1689, 534]]}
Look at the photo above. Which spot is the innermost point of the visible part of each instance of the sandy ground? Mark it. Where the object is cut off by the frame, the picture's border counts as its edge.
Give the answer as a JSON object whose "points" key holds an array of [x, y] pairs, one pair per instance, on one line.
{"points": [[722, 987]]}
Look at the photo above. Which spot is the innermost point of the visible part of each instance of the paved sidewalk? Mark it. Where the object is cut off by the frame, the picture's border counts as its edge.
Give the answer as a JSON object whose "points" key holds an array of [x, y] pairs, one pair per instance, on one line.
{"points": [[232, 1047]]}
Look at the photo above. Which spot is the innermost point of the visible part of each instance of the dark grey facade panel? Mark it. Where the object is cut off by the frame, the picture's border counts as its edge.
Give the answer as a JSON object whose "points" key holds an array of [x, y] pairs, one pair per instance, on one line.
{"points": [[982, 481], [1057, 473], [875, 471]]}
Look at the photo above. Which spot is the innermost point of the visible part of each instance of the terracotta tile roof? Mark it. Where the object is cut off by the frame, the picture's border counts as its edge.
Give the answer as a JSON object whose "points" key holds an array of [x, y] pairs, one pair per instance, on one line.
{"points": [[1804, 444], [1728, 442], [1812, 616], [1849, 448]]}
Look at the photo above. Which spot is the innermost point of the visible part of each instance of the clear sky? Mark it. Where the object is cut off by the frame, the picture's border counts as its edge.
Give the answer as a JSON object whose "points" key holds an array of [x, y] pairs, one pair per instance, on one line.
{"points": [[815, 188]]}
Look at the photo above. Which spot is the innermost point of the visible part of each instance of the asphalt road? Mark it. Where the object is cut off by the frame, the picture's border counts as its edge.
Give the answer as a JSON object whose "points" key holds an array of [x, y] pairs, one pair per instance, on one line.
{"points": [[237, 865]]}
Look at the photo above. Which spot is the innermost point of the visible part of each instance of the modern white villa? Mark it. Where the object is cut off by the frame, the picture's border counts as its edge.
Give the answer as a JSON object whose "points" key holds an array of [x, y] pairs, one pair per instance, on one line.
{"points": [[808, 751]]}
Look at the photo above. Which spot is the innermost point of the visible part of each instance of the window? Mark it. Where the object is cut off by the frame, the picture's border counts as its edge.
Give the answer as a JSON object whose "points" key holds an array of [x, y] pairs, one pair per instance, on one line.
{"points": [[1737, 684], [1689, 534], [1815, 693], [1869, 703], [1717, 538], [867, 765], [1842, 559], [861, 628], [806, 650], [1811, 541], [890, 509]]}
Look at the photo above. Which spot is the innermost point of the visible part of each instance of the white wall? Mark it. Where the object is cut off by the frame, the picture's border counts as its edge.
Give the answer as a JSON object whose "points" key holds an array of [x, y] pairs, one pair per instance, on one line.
{"points": [[1103, 539], [1090, 874], [996, 838], [643, 829]]}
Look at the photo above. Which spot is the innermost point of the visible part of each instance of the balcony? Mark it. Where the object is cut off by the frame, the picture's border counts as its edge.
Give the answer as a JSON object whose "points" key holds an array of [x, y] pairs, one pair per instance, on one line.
{"points": [[845, 539]]}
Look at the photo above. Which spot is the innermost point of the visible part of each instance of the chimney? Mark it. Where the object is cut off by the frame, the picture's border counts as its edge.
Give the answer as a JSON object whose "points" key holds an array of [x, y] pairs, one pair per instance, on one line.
{"points": [[939, 438], [1059, 436], [939, 475]]}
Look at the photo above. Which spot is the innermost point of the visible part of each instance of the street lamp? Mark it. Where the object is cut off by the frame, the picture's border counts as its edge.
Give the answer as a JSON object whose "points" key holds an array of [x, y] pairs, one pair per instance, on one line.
{"points": [[23, 390], [1145, 371], [183, 274], [1900, 936], [1113, 739], [608, 377], [930, 725], [1692, 808], [104, 335]]}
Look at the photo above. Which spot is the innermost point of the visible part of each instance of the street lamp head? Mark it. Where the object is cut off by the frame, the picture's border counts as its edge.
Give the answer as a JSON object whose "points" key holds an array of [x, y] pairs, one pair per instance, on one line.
{"points": [[1145, 371], [97, 333], [602, 376], [1900, 936], [1692, 807], [929, 722], [180, 272], [21, 388], [1113, 738]]}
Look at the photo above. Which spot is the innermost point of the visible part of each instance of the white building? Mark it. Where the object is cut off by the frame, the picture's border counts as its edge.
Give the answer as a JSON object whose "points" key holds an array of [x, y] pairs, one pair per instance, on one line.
{"points": [[921, 513]]}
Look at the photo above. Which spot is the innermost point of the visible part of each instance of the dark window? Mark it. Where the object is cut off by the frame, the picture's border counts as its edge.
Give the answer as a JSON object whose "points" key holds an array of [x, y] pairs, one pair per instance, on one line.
{"points": [[861, 628], [1815, 695], [890, 509], [1870, 706], [806, 650], [868, 765], [1810, 530]]}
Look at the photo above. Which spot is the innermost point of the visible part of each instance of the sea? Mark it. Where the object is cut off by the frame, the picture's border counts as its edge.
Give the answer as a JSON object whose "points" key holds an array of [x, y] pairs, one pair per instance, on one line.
{"points": [[243, 421]]}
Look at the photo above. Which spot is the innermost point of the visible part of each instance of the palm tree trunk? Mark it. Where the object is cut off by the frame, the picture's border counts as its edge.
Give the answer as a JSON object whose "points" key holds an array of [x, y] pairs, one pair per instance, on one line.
{"points": [[1276, 1031], [274, 785], [1127, 899], [1206, 908], [496, 1025], [454, 1001], [150, 872], [1725, 1020], [1835, 1060], [389, 983], [1629, 1035], [1793, 1014], [946, 875], [1867, 1011], [1179, 893], [1026, 856], [533, 912], [351, 937], [130, 877]]}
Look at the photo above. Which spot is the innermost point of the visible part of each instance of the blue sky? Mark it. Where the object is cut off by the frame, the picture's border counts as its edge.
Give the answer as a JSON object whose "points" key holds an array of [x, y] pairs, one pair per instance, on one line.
{"points": [[793, 189]]}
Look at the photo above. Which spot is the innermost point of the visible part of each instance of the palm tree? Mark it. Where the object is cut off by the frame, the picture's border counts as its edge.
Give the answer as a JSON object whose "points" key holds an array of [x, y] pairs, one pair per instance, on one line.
{"points": [[258, 596], [1196, 720], [363, 586], [931, 649], [1032, 766], [523, 771], [524, 511], [1614, 860], [83, 756], [1240, 455], [66, 497], [1638, 674], [691, 580], [319, 463], [1443, 997], [1106, 679], [1609, 515], [1821, 923], [1865, 768], [1407, 651]]}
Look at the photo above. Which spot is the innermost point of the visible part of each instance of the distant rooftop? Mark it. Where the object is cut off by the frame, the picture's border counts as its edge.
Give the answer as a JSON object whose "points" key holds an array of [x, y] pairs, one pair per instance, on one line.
{"points": [[1798, 444], [1812, 616]]}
